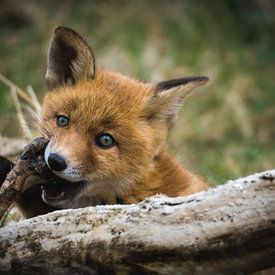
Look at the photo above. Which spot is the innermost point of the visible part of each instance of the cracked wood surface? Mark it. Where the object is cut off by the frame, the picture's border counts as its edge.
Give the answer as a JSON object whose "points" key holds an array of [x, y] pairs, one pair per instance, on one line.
{"points": [[229, 229]]}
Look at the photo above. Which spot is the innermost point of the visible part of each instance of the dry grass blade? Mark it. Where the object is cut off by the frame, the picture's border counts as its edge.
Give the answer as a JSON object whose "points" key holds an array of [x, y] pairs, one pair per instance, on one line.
{"points": [[26, 131], [12, 147], [32, 105], [35, 101], [18, 90]]}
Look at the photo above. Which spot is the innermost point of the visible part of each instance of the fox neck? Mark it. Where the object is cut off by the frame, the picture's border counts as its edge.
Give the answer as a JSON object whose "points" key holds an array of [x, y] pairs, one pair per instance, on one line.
{"points": [[165, 176]]}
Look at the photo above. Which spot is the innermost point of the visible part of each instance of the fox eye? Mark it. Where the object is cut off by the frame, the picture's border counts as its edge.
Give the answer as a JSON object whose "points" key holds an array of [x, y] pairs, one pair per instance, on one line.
{"points": [[105, 141], [62, 121]]}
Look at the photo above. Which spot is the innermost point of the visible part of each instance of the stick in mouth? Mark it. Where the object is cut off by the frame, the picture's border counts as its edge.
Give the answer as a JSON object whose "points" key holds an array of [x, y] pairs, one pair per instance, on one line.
{"points": [[31, 162]]}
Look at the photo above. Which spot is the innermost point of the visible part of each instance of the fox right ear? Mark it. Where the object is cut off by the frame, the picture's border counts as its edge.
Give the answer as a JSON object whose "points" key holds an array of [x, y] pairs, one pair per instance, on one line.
{"points": [[168, 96], [70, 59]]}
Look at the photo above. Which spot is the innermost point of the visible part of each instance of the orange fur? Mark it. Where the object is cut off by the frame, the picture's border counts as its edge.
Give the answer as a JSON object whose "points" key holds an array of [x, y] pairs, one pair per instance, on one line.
{"points": [[139, 166], [138, 117]]}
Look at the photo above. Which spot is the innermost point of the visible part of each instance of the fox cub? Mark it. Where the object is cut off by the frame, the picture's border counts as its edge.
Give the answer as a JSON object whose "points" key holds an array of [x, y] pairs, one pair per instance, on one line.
{"points": [[107, 133]]}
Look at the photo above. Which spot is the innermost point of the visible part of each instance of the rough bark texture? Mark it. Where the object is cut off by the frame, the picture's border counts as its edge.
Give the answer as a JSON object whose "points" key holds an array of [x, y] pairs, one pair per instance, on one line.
{"points": [[28, 164], [226, 230]]}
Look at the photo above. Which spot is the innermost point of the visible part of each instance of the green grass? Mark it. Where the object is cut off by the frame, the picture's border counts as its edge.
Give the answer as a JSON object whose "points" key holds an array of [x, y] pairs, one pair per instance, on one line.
{"points": [[226, 129]]}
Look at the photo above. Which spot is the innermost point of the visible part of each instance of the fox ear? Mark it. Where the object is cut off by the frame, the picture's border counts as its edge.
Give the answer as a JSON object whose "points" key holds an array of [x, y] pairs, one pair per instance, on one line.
{"points": [[168, 96], [69, 59]]}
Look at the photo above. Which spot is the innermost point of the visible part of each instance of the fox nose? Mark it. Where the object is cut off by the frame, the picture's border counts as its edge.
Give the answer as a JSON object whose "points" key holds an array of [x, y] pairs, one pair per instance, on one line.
{"points": [[56, 162]]}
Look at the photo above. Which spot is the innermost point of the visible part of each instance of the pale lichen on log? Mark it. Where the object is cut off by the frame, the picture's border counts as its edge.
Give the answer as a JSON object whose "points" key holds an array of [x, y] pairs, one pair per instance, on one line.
{"points": [[225, 230]]}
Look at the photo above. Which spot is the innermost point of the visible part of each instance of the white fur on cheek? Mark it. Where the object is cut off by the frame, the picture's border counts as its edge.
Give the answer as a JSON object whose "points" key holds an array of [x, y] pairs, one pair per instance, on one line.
{"points": [[70, 174], [47, 153]]}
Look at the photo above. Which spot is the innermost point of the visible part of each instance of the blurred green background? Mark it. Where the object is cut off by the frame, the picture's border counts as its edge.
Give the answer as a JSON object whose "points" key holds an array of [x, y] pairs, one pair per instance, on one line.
{"points": [[225, 129]]}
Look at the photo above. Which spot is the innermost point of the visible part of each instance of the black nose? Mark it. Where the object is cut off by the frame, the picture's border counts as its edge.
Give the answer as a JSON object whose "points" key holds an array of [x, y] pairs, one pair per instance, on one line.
{"points": [[56, 162]]}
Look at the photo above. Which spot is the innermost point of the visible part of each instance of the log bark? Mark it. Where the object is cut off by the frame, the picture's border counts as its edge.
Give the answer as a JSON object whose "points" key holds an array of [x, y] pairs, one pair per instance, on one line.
{"points": [[229, 229]]}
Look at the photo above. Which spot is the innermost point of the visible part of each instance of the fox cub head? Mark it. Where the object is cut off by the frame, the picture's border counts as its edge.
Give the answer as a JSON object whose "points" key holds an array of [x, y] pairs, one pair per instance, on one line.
{"points": [[105, 129]]}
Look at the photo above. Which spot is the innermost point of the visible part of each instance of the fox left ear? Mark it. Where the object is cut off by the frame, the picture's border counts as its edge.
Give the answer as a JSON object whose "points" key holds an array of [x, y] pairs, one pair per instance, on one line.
{"points": [[168, 96], [70, 59]]}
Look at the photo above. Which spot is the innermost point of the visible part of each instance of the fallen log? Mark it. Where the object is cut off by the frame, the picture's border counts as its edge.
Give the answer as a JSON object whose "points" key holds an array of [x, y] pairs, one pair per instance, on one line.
{"points": [[229, 229]]}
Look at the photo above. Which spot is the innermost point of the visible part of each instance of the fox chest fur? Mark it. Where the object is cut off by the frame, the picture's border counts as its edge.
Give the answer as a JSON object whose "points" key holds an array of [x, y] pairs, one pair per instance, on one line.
{"points": [[107, 132]]}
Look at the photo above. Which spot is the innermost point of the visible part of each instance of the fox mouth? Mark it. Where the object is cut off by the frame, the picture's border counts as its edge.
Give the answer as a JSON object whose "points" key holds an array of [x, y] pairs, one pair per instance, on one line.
{"points": [[58, 191]]}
